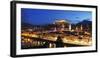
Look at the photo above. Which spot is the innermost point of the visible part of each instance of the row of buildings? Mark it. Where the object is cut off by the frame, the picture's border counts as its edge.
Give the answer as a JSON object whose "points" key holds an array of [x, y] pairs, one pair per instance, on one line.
{"points": [[61, 25]]}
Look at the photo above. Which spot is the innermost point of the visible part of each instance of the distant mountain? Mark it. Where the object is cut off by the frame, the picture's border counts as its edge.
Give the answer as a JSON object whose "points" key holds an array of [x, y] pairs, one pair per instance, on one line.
{"points": [[31, 25], [85, 22], [87, 25], [26, 25]]}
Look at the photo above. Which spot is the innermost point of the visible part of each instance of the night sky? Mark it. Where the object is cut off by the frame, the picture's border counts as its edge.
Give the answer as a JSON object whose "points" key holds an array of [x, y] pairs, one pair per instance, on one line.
{"points": [[45, 16]]}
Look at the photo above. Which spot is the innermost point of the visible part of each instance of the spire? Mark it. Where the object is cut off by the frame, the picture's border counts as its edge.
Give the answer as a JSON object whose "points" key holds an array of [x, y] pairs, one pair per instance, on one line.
{"points": [[81, 27]]}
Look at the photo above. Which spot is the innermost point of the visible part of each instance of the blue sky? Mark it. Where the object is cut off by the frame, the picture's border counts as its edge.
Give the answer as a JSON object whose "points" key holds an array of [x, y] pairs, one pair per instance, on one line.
{"points": [[45, 16]]}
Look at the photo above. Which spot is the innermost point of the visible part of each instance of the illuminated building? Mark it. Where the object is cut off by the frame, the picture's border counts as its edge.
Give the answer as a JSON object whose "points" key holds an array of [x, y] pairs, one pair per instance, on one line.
{"points": [[62, 25]]}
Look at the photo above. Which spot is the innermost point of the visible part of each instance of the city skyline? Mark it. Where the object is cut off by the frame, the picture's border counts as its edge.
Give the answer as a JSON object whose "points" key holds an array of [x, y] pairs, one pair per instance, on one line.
{"points": [[45, 16]]}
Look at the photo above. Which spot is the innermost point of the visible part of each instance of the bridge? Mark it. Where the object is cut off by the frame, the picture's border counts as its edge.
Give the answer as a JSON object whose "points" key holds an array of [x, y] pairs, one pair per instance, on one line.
{"points": [[44, 42]]}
